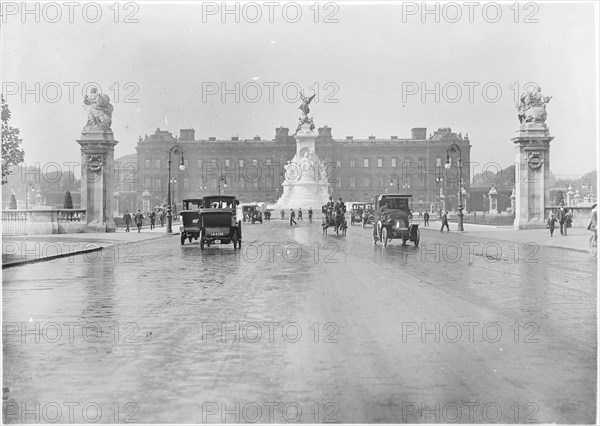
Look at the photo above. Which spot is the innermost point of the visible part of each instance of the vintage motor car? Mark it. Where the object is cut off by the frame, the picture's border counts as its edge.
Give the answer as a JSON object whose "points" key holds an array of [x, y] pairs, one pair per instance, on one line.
{"points": [[356, 211], [190, 218], [368, 216], [394, 220], [218, 221], [251, 213]]}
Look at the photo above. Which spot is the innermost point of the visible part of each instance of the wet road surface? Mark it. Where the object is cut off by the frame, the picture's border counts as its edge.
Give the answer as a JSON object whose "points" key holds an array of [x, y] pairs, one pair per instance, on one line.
{"points": [[302, 327]]}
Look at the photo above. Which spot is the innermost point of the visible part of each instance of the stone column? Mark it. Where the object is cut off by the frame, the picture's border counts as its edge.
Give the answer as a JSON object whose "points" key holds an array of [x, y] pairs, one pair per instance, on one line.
{"points": [[532, 171], [97, 178]]}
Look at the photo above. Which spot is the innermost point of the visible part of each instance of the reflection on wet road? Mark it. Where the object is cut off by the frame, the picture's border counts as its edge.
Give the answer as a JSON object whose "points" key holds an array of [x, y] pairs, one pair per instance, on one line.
{"points": [[298, 326]]}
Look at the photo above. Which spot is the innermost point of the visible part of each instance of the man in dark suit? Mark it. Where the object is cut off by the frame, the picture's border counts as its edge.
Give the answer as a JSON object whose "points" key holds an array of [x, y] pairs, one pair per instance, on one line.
{"points": [[561, 215]]}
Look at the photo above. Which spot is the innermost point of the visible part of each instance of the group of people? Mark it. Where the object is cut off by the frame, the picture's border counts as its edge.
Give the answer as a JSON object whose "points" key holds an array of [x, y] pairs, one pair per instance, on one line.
{"points": [[563, 216], [138, 219], [293, 215]]}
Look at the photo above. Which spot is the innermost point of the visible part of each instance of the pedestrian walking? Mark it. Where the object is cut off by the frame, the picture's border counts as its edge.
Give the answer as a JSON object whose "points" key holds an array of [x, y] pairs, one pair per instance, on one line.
{"points": [[420, 213], [161, 218], [561, 215], [568, 220], [445, 222], [310, 214], [282, 214], [152, 219], [426, 218], [127, 220], [300, 214], [292, 217], [139, 220], [551, 221]]}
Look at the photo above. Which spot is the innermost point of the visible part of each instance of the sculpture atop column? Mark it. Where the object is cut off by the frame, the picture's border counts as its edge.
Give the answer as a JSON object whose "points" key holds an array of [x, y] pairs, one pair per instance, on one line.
{"points": [[532, 107], [305, 184], [532, 149], [97, 163]]}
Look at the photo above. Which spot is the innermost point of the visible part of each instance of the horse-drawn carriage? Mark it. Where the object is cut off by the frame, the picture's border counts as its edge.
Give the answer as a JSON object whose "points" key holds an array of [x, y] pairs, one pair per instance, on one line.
{"points": [[394, 220], [217, 221], [334, 217]]}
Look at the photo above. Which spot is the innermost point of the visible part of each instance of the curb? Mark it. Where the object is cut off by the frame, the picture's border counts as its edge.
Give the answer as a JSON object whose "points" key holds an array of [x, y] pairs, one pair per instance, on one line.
{"points": [[78, 252]]}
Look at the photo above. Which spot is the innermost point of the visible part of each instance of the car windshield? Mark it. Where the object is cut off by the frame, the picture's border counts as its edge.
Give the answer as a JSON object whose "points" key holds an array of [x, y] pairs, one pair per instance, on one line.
{"points": [[395, 203]]}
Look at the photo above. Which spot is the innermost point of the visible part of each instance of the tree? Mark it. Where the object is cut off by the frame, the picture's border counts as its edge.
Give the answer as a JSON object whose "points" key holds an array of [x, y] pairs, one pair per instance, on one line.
{"points": [[13, 202], [12, 154], [68, 204]]}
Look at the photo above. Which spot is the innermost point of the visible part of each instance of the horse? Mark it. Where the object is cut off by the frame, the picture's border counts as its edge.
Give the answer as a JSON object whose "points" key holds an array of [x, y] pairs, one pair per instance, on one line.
{"points": [[335, 217]]}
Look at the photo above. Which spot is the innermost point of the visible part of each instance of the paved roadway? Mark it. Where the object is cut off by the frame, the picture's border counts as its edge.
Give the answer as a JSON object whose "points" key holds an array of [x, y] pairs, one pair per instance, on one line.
{"points": [[304, 327]]}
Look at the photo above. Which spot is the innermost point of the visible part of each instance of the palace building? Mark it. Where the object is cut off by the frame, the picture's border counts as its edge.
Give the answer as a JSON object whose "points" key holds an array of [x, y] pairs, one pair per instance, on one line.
{"points": [[253, 169]]}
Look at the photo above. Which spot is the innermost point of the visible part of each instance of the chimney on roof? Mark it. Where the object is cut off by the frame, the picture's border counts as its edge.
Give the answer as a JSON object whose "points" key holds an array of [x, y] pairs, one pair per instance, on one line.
{"points": [[235, 138], [257, 138], [187, 134], [212, 138], [371, 138], [349, 138], [394, 138], [419, 133]]}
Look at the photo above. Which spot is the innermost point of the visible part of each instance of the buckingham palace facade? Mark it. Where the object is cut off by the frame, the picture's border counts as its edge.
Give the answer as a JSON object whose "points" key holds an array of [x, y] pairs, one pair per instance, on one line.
{"points": [[253, 169]]}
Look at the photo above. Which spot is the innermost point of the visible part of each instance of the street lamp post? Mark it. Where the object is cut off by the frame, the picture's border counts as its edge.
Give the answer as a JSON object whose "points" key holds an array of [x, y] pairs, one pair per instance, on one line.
{"points": [[396, 178], [454, 148], [174, 148]]}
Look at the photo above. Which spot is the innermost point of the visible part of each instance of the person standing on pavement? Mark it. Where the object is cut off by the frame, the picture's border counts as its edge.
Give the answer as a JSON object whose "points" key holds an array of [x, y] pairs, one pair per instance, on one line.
{"points": [[561, 215], [300, 214], [139, 219], [161, 218], [551, 221], [152, 219], [426, 218], [127, 220], [445, 222], [282, 214], [310, 214], [593, 225], [292, 217]]}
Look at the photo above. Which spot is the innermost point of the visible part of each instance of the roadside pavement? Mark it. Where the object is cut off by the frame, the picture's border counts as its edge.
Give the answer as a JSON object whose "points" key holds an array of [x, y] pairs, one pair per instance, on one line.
{"points": [[19, 250], [576, 239]]}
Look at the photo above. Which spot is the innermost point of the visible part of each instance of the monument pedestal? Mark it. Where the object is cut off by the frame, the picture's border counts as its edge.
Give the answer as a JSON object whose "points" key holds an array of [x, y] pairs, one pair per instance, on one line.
{"points": [[532, 157], [97, 178], [305, 183]]}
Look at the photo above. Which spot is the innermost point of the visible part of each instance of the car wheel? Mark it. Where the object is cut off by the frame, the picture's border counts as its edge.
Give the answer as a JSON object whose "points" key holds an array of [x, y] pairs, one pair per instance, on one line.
{"points": [[182, 238], [418, 238], [201, 243]]}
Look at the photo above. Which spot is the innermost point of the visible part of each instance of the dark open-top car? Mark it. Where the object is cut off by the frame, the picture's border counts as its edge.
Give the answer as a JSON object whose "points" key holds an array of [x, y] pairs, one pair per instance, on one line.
{"points": [[356, 211], [394, 219], [252, 214], [190, 218], [218, 221]]}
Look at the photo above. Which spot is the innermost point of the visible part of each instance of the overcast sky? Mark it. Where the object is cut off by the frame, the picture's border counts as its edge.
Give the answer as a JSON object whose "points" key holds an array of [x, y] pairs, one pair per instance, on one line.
{"points": [[371, 61]]}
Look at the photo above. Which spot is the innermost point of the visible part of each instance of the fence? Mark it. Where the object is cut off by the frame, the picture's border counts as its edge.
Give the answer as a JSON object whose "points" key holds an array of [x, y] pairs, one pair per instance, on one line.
{"points": [[42, 221]]}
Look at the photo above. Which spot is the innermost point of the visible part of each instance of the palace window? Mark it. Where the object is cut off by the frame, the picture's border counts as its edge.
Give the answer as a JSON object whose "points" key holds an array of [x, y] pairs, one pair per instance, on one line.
{"points": [[186, 163], [156, 183], [353, 163], [380, 162], [393, 162], [157, 164], [366, 182], [199, 164], [254, 162], [147, 164], [379, 181], [186, 183], [227, 163], [147, 182], [241, 163], [352, 182], [339, 164], [365, 162], [199, 181]]}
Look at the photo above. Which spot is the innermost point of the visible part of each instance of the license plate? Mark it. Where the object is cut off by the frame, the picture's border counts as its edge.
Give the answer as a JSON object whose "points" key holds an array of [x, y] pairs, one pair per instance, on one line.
{"points": [[217, 234], [195, 221]]}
